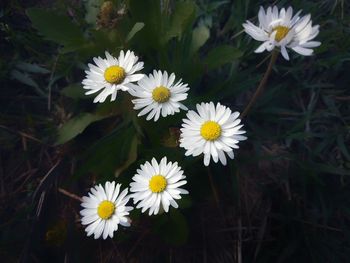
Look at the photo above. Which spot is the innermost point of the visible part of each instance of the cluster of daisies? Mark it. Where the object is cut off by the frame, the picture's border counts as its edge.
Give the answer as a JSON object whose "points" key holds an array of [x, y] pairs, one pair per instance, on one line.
{"points": [[155, 187], [212, 129]]}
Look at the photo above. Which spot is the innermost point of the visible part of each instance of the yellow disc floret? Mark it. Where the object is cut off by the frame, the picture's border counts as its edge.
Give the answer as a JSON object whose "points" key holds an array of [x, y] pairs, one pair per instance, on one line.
{"points": [[161, 94], [281, 32], [105, 209], [210, 130], [157, 183], [114, 74]]}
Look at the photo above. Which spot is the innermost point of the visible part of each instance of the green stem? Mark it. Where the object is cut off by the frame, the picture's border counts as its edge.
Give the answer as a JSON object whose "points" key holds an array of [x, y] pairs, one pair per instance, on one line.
{"points": [[262, 83]]}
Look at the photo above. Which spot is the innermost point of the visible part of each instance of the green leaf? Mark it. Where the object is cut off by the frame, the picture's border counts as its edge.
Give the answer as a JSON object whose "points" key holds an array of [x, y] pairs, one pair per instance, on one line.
{"points": [[215, 5], [222, 55], [57, 28], [110, 152], [200, 35], [326, 168], [132, 157], [32, 68], [173, 228], [181, 19], [26, 79], [136, 28], [75, 126], [74, 91], [23, 78], [152, 19]]}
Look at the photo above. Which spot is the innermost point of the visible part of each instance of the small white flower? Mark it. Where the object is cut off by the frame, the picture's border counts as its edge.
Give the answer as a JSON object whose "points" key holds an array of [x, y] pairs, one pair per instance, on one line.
{"points": [[157, 185], [280, 29], [104, 209], [112, 74], [158, 95], [212, 131]]}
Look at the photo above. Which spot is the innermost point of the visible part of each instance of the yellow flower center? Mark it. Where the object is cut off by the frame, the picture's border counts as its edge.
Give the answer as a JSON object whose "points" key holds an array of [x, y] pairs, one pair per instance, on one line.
{"points": [[157, 183], [114, 74], [210, 130], [281, 32], [105, 209], [161, 94]]}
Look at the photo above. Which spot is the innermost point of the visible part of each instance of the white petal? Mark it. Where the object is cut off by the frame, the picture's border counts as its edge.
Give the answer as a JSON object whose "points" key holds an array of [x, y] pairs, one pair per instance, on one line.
{"points": [[303, 51], [284, 52]]}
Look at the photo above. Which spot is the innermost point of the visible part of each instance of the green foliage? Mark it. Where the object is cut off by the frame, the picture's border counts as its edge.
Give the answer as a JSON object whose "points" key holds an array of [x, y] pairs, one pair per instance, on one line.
{"points": [[172, 228], [23, 72], [221, 55], [74, 91], [200, 35], [136, 28], [181, 20], [75, 126], [110, 152], [57, 28]]}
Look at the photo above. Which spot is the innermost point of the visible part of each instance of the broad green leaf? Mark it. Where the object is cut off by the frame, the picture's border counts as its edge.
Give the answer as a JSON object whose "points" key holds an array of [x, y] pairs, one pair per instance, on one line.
{"points": [[181, 19], [57, 28], [74, 91], [110, 152], [75, 126], [200, 35], [222, 55], [136, 28], [132, 157]]}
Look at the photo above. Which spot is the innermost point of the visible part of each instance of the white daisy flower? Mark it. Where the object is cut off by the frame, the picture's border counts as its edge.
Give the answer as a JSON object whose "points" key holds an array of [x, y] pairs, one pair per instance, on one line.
{"points": [[104, 209], [157, 185], [212, 131], [158, 95], [112, 74], [283, 30]]}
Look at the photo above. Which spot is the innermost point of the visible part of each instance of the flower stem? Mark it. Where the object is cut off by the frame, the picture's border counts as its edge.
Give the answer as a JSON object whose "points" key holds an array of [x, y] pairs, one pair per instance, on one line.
{"points": [[262, 83]]}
